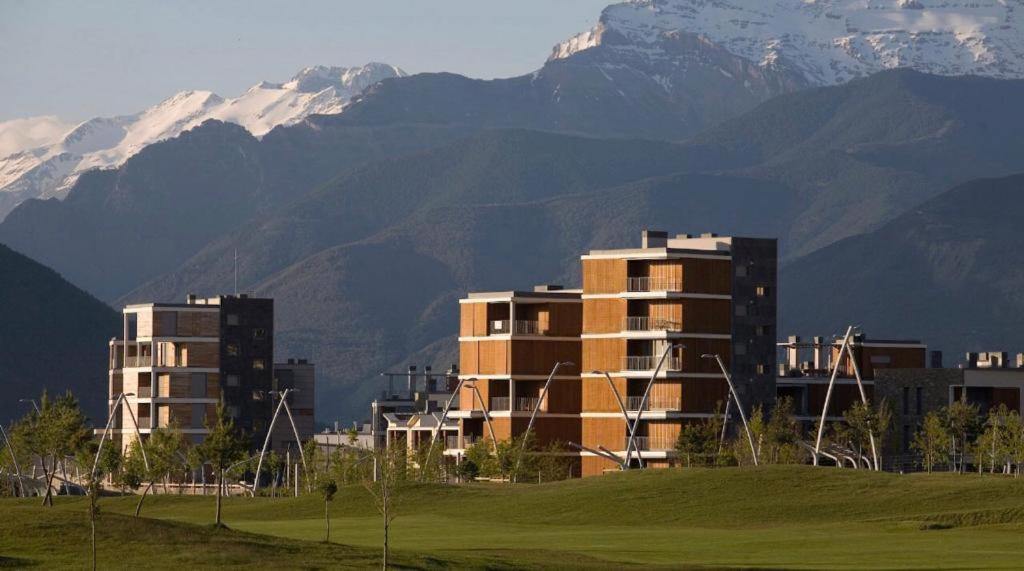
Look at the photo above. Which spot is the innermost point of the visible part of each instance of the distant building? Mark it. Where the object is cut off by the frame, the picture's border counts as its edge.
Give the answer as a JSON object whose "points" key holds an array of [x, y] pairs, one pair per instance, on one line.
{"points": [[408, 395], [176, 362], [985, 379]]}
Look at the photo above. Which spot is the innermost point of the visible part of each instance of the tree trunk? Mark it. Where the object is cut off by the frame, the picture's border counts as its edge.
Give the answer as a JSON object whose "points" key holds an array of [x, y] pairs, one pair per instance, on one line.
{"points": [[220, 479], [138, 507], [92, 521], [386, 525], [327, 520], [48, 476]]}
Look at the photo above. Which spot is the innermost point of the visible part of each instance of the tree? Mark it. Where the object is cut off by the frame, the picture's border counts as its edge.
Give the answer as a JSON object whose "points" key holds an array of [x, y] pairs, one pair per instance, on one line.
{"points": [[930, 440], [863, 423], [165, 451], [390, 472], [963, 421], [51, 434], [741, 446], [698, 441], [991, 445], [1015, 441], [327, 487], [222, 447], [781, 435]]}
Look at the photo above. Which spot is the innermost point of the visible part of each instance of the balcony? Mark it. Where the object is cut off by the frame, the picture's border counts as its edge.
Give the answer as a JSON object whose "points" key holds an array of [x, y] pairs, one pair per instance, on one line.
{"points": [[500, 403], [526, 404], [144, 421], [646, 284], [650, 443], [138, 361], [451, 442], [646, 323], [145, 392], [649, 362], [658, 403], [517, 327]]}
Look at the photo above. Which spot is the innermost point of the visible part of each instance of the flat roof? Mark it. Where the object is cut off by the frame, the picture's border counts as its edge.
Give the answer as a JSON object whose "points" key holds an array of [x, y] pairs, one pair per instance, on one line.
{"points": [[562, 294]]}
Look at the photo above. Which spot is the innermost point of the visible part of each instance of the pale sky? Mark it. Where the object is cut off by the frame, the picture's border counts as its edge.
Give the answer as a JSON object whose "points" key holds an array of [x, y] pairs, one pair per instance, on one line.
{"points": [[78, 59]]}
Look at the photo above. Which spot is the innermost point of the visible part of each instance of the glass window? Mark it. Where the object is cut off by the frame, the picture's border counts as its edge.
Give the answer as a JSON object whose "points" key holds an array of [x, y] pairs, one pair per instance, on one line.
{"points": [[763, 291], [741, 310], [259, 333], [232, 349], [231, 381], [259, 364], [919, 398], [741, 271], [232, 319]]}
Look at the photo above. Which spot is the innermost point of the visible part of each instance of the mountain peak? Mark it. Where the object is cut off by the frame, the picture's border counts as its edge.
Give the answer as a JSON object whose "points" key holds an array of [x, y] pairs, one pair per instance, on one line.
{"points": [[344, 79], [825, 41]]}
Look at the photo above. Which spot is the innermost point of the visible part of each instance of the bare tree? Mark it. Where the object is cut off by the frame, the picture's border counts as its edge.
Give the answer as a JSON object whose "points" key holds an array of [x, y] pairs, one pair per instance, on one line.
{"points": [[222, 447], [384, 484]]}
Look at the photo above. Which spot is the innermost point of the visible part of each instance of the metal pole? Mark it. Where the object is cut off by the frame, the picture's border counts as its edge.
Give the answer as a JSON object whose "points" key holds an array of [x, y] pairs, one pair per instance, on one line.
{"points": [[739, 405], [864, 399], [828, 394], [295, 431], [444, 415], [138, 434], [487, 417], [625, 413], [533, 417], [110, 418], [266, 442], [725, 424], [643, 404]]}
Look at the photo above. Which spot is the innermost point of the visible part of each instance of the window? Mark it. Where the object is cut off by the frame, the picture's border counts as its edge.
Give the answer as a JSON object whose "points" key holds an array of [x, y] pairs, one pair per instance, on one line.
{"points": [[232, 349], [232, 319], [741, 271], [740, 349], [762, 368], [906, 437], [906, 400], [232, 411], [198, 415], [741, 310], [231, 381], [763, 291], [259, 364], [168, 323], [761, 330], [259, 333], [918, 397]]}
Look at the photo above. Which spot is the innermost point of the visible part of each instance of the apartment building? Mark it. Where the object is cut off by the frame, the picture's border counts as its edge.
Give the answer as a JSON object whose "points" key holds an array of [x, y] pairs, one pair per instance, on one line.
{"points": [[394, 415], [176, 362], [806, 371], [509, 342], [987, 379], [701, 296]]}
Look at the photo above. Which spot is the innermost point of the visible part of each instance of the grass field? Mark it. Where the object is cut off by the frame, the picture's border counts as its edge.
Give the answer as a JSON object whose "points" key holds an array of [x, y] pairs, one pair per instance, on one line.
{"points": [[781, 517]]}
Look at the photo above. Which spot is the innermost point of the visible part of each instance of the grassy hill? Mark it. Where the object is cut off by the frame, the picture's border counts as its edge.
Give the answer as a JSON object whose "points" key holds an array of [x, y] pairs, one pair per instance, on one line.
{"points": [[771, 517]]}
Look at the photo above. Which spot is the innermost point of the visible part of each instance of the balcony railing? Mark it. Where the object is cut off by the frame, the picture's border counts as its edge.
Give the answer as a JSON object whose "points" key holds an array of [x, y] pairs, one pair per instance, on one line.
{"points": [[656, 283], [517, 327], [138, 361], [653, 443], [527, 404], [648, 363], [654, 402], [646, 323], [500, 403]]}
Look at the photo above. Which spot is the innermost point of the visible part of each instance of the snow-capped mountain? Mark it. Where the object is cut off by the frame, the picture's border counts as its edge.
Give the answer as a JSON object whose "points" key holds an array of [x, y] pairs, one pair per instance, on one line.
{"points": [[821, 42], [42, 157]]}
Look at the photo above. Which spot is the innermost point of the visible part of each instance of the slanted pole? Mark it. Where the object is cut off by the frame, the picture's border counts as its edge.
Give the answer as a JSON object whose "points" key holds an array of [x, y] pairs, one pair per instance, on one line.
{"points": [[643, 404], [625, 414], [828, 394], [533, 416], [444, 415], [295, 431], [487, 416], [864, 399], [739, 405], [266, 443], [725, 424]]}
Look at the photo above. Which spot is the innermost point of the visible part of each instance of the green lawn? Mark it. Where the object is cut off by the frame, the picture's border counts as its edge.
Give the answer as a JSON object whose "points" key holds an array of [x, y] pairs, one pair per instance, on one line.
{"points": [[783, 517]]}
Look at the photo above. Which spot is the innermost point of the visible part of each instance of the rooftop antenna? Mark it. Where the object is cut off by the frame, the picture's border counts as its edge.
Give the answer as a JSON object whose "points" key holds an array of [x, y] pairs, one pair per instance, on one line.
{"points": [[236, 271]]}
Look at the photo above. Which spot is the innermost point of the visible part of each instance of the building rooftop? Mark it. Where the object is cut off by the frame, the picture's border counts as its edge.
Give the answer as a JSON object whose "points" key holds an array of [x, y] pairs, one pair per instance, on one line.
{"points": [[659, 243]]}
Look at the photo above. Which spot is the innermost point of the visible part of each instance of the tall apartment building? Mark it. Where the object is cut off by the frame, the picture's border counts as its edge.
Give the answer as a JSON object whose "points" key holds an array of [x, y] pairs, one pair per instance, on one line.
{"points": [[509, 341], [176, 362], [706, 295]]}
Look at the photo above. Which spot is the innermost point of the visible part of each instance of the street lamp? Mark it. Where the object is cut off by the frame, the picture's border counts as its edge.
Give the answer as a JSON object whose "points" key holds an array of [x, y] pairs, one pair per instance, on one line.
{"points": [[35, 405]]}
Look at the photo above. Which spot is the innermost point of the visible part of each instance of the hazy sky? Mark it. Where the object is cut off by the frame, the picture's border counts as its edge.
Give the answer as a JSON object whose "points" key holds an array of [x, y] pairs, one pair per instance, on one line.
{"points": [[78, 59]]}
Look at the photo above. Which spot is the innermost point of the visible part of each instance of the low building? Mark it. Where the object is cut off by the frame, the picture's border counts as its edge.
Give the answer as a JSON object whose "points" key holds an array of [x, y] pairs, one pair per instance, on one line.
{"points": [[408, 394]]}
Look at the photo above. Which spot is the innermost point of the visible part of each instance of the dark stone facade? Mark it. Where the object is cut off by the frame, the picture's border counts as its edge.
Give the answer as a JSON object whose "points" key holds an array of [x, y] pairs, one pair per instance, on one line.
{"points": [[911, 394], [247, 362], [754, 314]]}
